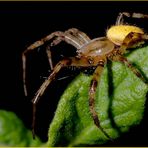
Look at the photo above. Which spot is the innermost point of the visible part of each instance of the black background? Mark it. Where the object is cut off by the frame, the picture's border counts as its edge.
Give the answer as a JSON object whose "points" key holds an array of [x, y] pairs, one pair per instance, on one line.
{"points": [[22, 23]]}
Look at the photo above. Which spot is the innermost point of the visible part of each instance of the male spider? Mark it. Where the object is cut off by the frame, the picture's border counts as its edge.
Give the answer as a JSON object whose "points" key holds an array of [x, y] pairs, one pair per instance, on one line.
{"points": [[90, 53]]}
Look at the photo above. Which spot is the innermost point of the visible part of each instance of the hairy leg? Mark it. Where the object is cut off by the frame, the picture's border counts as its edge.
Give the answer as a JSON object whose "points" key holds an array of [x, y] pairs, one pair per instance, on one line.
{"points": [[81, 35], [62, 36], [92, 92], [74, 34], [133, 68], [120, 19], [49, 57], [64, 63], [33, 47], [131, 40]]}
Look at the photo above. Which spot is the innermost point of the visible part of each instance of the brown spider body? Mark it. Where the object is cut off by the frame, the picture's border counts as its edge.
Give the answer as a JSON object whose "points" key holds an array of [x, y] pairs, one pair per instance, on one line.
{"points": [[103, 48], [90, 53], [96, 47]]}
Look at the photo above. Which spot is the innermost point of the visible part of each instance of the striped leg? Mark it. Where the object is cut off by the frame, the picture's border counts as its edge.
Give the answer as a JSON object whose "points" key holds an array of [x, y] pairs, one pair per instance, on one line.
{"points": [[120, 19], [133, 69], [92, 91], [74, 34], [79, 34], [130, 41], [64, 63], [33, 47], [61, 36]]}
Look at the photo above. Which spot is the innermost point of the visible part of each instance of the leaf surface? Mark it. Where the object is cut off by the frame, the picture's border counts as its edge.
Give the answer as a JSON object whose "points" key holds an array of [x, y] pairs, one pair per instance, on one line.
{"points": [[14, 133]]}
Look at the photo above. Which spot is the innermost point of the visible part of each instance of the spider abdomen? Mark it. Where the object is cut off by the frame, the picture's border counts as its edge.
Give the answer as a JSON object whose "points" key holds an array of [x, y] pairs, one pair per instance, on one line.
{"points": [[117, 34]]}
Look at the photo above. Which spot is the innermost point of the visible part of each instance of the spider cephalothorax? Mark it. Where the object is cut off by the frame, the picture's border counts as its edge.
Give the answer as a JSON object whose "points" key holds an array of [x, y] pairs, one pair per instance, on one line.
{"points": [[91, 53]]}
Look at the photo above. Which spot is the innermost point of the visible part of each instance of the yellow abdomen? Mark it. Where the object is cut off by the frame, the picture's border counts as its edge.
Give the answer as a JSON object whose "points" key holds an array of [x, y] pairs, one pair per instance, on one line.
{"points": [[117, 34]]}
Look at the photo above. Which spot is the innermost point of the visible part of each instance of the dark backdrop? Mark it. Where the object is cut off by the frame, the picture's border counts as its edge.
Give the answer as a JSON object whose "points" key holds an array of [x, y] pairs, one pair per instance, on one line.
{"points": [[22, 23]]}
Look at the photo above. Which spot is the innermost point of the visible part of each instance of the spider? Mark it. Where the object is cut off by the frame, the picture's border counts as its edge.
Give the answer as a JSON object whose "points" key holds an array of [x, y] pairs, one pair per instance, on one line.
{"points": [[90, 53]]}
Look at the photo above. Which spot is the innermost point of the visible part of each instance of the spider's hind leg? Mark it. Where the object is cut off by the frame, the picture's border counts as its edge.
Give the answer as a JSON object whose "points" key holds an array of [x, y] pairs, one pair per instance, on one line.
{"points": [[57, 37], [83, 37], [34, 46], [74, 37], [120, 18]]}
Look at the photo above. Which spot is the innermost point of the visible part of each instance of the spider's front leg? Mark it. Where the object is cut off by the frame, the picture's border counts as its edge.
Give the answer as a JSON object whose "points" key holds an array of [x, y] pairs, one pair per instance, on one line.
{"points": [[77, 62], [43, 87], [92, 91]]}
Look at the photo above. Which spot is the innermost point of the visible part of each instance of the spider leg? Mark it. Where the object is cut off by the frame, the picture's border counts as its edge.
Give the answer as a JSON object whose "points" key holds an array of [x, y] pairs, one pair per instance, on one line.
{"points": [[68, 38], [133, 39], [133, 69], [74, 34], [120, 19], [48, 52], [43, 87], [81, 35], [92, 91], [77, 62], [61, 37], [33, 47], [130, 41], [77, 36]]}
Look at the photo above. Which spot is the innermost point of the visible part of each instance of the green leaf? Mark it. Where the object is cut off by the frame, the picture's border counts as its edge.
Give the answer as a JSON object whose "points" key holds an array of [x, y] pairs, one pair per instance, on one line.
{"points": [[13, 132], [120, 102]]}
